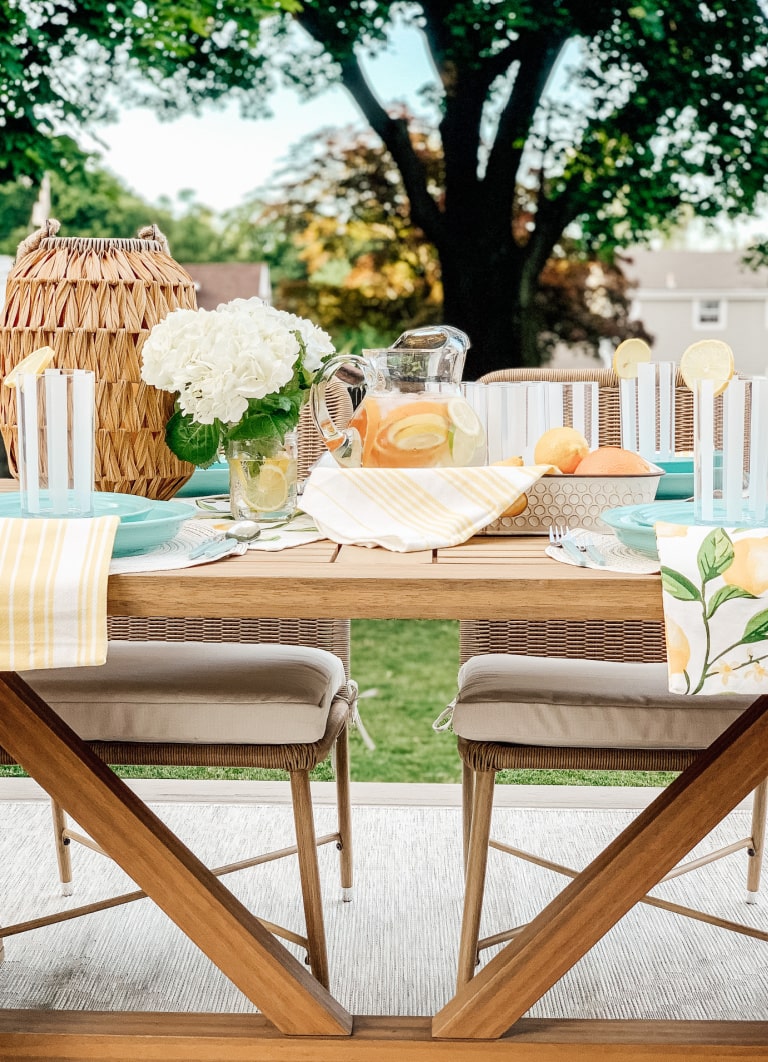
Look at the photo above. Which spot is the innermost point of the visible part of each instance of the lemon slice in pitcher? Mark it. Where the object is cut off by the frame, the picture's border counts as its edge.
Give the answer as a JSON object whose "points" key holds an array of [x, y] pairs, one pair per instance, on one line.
{"points": [[628, 356], [708, 359], [36, 362]]}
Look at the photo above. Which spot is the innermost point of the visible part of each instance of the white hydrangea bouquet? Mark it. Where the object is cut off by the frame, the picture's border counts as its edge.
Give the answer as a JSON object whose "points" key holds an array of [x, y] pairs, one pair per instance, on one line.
{"points": [[241, 372]]}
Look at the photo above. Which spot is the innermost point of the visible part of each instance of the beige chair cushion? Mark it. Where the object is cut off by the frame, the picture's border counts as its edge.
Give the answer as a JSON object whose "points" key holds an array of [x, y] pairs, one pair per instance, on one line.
{"points": [[526, 700], [197, 692]]}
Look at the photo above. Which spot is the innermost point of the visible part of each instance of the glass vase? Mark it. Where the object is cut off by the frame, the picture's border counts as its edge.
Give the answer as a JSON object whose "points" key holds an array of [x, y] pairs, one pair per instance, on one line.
{"points": [[262, 478]]}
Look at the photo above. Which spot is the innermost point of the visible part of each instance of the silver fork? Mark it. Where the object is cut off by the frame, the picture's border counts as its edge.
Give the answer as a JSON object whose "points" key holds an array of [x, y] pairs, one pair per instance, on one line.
{"points": [[558, 536]]}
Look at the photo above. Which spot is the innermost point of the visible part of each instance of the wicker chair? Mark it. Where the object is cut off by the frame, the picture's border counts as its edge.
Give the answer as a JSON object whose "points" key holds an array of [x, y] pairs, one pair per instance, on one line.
{"points": [[283, 703], [571, 711]]}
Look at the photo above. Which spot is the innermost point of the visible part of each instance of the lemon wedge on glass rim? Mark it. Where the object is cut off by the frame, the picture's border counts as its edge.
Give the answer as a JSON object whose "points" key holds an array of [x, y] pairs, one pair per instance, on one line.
{"points": [[707, 359], [35, 363], [628, 356]]}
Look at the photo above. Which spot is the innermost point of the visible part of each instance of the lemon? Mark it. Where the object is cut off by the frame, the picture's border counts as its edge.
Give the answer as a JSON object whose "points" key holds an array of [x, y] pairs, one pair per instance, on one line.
{"points": [[462, 446], [270, 490], [421, 431], [265, 492], [34, 363], [464, 418], [708, 359], [627, 357]]}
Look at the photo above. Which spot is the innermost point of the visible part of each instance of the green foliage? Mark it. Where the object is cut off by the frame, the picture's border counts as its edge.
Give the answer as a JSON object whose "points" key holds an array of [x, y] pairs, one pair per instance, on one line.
{"points": [[665, 110], [98, 203]]}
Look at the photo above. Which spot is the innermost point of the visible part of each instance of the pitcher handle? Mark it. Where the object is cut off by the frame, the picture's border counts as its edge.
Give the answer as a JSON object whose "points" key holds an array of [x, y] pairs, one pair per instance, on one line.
{"points": [[344, 444]]}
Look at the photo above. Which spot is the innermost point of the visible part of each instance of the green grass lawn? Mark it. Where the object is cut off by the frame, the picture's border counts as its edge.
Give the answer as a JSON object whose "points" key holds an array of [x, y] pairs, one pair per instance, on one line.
{"points": [[406, 670]]}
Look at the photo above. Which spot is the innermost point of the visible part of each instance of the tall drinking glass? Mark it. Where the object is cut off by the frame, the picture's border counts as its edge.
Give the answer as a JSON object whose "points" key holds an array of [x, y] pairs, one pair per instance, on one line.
{"points": [[731, 453], [56, 442]]}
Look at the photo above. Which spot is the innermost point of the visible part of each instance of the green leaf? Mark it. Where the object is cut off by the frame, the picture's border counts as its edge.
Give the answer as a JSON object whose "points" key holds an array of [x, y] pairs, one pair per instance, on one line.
{"points": [[197, 443], [678, 586], [725, 593], [715, 554], [756, 629]]}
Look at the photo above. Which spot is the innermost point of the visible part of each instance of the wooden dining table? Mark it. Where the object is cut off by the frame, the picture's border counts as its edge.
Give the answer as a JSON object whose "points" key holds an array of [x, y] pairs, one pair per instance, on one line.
{"points": [[485, 578]]}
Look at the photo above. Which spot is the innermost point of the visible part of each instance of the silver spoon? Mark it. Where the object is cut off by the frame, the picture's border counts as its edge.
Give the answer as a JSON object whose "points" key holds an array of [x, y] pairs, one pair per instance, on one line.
{"points": [[240, 531]]}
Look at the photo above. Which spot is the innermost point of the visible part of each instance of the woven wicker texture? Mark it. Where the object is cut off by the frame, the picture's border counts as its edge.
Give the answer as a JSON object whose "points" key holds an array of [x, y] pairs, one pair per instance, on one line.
{"points": [[608, 382], [95, 301], [493, 756]]}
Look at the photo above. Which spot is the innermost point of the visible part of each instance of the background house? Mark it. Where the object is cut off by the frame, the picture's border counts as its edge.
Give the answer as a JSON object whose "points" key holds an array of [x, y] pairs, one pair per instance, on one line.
{"points": [[684, 296], [217, 282]]}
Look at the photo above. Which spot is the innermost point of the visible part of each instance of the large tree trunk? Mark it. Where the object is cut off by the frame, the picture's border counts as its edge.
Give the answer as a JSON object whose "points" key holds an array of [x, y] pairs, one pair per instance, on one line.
{"points": [[485, 294]]}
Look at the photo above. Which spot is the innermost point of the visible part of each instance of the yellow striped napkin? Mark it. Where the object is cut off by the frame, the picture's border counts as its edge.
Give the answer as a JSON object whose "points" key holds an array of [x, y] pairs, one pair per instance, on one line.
{"points": [[53, 587], [715, 595], [407, 509]]}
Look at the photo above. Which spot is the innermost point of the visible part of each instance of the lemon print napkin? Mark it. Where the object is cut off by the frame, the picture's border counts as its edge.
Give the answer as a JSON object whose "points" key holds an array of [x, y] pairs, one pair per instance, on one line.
{"points": [[408, 509], [715, 595], [53, 591]]}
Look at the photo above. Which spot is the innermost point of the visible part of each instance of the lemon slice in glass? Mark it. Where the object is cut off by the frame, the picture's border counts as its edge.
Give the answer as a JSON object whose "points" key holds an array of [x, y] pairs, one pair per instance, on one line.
{"points": [[34, 363], [270, 490], [708, 359], [628, 355]]}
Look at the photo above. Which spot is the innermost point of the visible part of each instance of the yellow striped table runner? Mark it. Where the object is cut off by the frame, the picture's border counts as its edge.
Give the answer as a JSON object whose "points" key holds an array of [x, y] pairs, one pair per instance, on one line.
{"points": [[53, 591], [407, 509]]}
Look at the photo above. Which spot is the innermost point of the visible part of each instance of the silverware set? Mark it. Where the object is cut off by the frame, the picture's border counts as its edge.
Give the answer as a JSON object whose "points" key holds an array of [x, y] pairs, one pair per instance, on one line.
{"points": [[577, 549]]}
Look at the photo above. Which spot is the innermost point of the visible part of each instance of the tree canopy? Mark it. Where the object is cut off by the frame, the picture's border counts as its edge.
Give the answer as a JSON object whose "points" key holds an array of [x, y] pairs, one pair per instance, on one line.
{"points": [[614, 117]]}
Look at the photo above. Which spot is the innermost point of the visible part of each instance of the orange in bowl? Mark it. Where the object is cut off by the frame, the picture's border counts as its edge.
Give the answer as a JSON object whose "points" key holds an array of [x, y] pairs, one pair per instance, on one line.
{"points": [[612, 461], [563, 447]]}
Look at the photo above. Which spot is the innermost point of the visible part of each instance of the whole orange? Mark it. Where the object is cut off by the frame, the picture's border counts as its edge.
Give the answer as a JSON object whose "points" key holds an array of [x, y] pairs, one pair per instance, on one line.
{"points": [[563, 447], [612, 461]]}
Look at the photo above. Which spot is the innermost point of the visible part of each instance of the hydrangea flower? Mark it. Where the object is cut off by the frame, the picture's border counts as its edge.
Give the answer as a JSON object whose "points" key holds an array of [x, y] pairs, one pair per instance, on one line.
{"points": [[243, 369]]}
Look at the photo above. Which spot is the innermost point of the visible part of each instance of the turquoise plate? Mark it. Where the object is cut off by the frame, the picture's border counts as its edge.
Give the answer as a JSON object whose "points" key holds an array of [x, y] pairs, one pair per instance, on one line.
{"points": [[213, 480], [128, 507], [159, 525], [633, 524]]}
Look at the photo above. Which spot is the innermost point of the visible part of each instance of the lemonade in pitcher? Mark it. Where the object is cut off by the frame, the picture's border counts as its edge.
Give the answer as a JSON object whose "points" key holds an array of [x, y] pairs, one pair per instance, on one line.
{"points": [[419, 430], [413, 414]]}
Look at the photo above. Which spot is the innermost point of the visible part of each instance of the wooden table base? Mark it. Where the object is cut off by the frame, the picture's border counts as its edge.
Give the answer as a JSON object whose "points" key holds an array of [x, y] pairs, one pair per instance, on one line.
{"points": [[60, 1036], [303, 1023]]}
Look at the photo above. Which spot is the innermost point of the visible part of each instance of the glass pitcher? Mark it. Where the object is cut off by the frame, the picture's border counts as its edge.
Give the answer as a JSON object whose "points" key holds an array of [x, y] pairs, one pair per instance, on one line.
{"points": [[413, 414]]}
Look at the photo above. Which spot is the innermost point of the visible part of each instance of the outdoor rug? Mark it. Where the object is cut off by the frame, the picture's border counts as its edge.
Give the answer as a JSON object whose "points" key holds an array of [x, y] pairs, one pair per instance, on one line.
{"points": [[393, 949]]}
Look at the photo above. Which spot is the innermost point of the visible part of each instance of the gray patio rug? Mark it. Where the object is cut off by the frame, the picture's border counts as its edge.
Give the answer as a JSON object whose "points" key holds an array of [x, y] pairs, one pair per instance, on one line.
{"points": [[393, 949]]}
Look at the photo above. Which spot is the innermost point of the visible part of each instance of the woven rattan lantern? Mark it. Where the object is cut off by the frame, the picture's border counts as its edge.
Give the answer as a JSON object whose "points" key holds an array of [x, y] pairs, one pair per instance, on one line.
{"points": [[95, 301]]}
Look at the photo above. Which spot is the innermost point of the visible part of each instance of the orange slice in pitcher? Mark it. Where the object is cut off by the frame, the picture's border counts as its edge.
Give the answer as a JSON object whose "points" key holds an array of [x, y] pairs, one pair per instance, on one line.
{"points": [[366, 420]]}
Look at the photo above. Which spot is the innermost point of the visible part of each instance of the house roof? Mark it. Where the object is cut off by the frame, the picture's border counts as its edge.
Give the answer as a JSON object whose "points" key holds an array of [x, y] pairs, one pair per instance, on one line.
{"points": [[692, 270], [217, 282]]}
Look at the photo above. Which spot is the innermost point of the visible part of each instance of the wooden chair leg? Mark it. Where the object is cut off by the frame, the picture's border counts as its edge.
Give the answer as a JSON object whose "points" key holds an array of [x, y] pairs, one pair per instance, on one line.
{"points": [[344, 812], [62, 848], [306, 843], [467, 793], [474, 881], [755, 864]]}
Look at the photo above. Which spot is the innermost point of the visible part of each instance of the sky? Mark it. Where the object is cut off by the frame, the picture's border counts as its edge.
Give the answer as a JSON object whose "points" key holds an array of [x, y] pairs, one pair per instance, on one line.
{"points": [[223, 157]]}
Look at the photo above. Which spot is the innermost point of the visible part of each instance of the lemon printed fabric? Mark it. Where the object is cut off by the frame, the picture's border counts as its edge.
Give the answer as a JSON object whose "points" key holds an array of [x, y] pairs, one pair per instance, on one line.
{"points": [[53, 591], [715, 595], [409, 509]]}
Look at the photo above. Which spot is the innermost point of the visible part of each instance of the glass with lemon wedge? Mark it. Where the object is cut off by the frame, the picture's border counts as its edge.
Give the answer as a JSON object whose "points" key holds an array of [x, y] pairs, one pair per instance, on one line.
{"points": [[262, 478]]}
